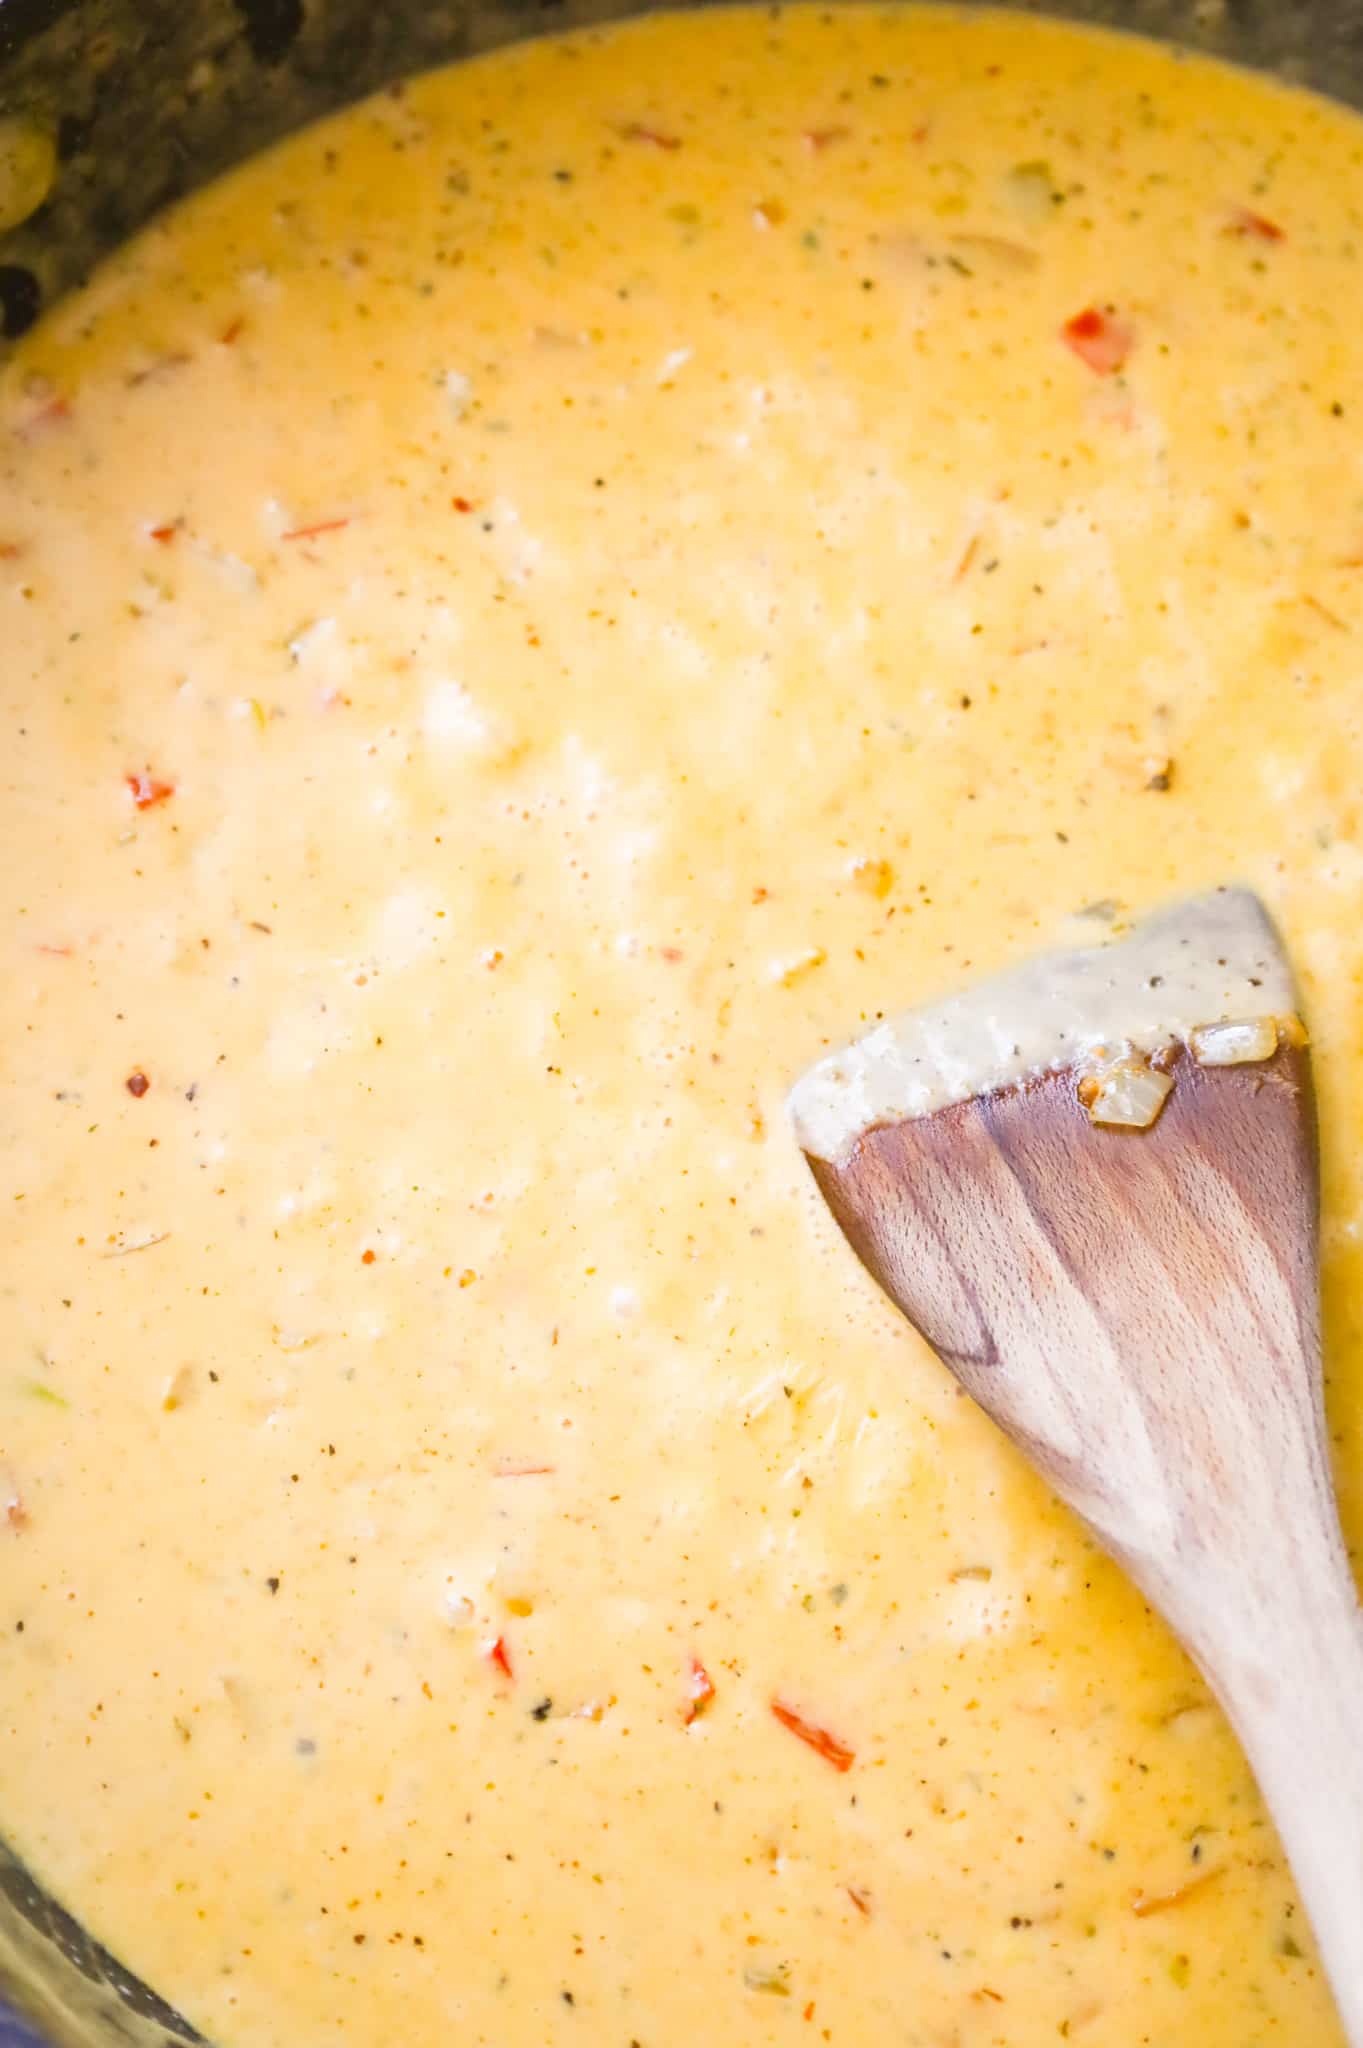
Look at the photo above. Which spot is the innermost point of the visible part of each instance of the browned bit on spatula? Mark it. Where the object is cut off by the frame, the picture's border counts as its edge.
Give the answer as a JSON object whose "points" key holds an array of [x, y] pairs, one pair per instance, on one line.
{"points": [[1091, 1184]]}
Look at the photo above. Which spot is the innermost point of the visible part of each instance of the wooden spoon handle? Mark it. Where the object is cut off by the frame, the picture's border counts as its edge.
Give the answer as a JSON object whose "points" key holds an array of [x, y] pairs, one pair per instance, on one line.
{"points": [[1276, 1627], [1287, 1664]]}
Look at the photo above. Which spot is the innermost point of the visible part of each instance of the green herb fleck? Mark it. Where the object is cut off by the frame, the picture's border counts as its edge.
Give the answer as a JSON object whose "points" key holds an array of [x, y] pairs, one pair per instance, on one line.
{"points": [[40, 1391]]}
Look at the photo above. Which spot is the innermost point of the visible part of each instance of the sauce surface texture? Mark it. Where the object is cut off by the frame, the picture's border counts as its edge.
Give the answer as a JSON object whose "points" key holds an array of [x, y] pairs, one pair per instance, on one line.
{"points": [[529, 615]]}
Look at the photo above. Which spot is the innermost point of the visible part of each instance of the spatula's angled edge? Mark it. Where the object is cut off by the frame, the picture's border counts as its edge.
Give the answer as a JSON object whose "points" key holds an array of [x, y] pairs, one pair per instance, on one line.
{"points": [[1212, 959], [937, 1207]]}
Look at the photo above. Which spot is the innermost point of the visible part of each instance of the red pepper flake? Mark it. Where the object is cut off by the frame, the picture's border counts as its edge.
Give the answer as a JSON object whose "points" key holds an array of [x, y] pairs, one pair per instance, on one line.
{"points": [[1099, 339], [367, 1258], [311, 532], [809, 2010], [10, 550], [137, 1083], [12, 1510], [672, 954], [510, 1469], [497, 1653], [818, 139], [700, 1690], [174, 360], [147, 791], [1323, 611], [971, 549], [165, 534], [638, 131], [233, 331], [55, 952], [861, 1900], [819, 1740], [53, 414], [1252, 226], [463, 504]]}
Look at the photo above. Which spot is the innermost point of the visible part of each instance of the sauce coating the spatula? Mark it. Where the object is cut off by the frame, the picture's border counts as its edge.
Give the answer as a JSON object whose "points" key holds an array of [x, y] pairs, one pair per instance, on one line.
{"points": [[527, 615], [1211, 963]]}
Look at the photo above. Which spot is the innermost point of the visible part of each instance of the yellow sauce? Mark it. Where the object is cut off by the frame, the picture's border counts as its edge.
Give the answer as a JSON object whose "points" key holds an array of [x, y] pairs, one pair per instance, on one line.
{"points": [[528, 615]]}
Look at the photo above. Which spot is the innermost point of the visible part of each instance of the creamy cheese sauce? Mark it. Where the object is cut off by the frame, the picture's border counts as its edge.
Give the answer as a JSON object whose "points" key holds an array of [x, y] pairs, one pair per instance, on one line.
{"points": [[529, 615]]}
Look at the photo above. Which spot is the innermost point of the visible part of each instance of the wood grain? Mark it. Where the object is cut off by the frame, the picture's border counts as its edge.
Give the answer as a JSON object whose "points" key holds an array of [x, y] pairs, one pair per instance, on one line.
{"points": [[1138, 1310]]}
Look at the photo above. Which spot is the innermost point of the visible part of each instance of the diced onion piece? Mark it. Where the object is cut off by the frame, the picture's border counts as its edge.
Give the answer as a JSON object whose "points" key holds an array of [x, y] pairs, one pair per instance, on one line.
{"points": [[994, 255], [1030, 188], [1128, 1093], [1234, 1045], [767, 1977]]}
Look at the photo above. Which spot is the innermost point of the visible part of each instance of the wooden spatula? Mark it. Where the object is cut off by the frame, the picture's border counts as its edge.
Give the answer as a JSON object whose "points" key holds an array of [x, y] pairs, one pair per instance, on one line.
{"points": [[1092, 1186]]}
